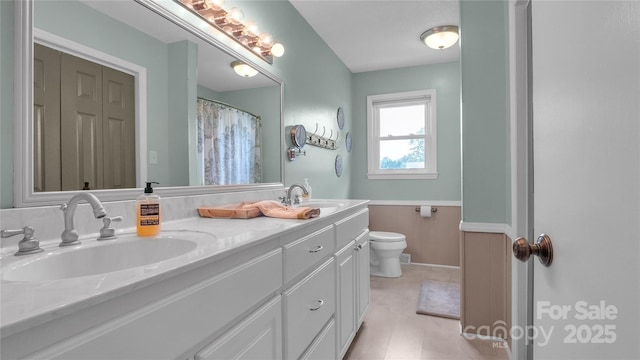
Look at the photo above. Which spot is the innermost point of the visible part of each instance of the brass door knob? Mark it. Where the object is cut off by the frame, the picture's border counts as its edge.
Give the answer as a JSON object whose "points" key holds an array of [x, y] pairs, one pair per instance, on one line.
{"points": [[522, 250]]}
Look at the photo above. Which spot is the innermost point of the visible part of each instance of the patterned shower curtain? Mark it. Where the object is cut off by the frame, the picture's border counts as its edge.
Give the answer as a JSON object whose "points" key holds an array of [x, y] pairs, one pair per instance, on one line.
{"points": [[228, 144]]}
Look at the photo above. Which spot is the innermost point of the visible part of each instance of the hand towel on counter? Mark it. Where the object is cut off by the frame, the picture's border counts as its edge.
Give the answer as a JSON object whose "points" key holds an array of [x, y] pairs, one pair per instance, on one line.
{"points": [[230, 211], [270, 208], [275, 209]]}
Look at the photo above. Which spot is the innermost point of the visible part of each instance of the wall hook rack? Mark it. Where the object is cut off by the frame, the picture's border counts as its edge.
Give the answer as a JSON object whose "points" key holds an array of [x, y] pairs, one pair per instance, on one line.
{"points": [[322, 141]]}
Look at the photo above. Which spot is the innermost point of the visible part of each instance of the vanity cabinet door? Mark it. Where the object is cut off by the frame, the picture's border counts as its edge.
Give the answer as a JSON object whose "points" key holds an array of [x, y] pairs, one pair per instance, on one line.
{"points": [[346, 293], [363, 284], [259, 336]]}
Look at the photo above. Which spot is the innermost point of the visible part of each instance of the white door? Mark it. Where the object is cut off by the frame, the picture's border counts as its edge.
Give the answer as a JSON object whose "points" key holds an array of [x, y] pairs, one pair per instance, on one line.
{"points": [[586, 116]]}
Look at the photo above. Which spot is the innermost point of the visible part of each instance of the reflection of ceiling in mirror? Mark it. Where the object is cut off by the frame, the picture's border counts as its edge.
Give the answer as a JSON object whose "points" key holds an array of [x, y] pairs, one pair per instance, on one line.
{"points": [[214, 66]]}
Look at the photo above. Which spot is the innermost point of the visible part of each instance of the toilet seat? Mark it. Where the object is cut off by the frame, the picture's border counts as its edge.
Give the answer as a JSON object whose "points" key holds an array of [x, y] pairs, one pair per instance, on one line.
{"points": [[385, 236]]}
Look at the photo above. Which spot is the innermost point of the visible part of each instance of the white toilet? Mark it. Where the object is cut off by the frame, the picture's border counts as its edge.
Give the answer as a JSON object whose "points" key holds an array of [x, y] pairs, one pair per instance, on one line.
{"points": [[386, 248]]}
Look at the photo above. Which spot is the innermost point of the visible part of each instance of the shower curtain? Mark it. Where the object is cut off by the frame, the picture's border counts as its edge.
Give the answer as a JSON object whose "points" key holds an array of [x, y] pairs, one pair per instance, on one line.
{"points": [[228, 144]]}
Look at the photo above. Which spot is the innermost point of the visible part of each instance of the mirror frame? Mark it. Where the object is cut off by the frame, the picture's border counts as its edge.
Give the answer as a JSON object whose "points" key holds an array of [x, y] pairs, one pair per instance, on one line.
{"points": [[23, 194]]}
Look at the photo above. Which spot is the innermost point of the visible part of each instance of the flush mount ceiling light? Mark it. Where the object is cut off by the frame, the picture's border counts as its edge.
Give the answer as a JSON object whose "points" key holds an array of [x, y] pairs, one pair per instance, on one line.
{"points": [[231, 22], [440, 37], [243, 69]]}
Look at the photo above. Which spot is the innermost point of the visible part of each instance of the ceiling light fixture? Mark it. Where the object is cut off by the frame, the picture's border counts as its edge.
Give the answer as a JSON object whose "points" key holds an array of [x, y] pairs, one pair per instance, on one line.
{"points": [[243, 69], [440, 37], [231, 23]]}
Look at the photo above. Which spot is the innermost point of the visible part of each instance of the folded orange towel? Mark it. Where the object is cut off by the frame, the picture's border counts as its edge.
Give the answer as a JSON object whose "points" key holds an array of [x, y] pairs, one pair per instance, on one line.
{"points": [[230, 211], [246, 210], [275, 209]]}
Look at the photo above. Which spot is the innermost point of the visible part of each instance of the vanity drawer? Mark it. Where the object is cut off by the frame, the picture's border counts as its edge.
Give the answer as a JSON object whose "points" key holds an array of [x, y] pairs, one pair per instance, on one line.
{"points": [[308, 307], [257, 337], [164, 329], [302, 254], [324, 346], [347, 229]]}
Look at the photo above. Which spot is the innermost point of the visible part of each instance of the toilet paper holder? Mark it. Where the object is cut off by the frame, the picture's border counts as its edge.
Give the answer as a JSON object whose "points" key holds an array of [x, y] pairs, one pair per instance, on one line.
{"points": [[433, 209]]}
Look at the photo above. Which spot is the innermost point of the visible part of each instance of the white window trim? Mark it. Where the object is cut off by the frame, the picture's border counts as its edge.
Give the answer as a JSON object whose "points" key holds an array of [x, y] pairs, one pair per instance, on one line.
{"points": [[373, 145]]}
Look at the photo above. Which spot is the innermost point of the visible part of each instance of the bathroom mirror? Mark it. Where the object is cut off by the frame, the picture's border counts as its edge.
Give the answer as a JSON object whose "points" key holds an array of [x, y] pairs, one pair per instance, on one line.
{"points": [[173, 45]]}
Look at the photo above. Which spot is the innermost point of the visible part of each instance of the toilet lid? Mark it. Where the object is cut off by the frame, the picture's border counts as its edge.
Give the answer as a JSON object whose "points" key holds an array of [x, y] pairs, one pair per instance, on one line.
{"points": [[384, 236]]}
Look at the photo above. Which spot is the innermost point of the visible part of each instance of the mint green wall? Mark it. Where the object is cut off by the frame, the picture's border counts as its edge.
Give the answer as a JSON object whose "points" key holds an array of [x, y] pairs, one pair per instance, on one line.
{"points": [[6, 104], [486, 188], [183, 59], [207, 93], [316, 83], [445, 79]]}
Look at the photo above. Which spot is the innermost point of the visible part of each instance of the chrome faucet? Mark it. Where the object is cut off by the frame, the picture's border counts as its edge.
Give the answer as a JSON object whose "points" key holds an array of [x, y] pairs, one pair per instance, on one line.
{"points": [[70, 235], [287, 200]]}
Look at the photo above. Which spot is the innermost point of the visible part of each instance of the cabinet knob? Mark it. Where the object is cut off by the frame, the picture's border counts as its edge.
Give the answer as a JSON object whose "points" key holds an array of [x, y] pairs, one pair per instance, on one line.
{"points": [[317, 249]]}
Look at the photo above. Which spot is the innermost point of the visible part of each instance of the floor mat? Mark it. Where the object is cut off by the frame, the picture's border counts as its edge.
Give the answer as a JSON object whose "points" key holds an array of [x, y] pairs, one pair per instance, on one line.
{"points": [[439, 298]]}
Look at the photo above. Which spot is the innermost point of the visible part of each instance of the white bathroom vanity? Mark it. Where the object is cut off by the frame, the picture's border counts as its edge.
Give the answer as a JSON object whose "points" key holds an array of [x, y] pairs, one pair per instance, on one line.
{"points": [[260, 288]]}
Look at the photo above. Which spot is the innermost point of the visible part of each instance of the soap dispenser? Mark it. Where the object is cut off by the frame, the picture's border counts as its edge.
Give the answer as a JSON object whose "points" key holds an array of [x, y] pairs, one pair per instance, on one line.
{"points": [[148, 212], [306, 197]]}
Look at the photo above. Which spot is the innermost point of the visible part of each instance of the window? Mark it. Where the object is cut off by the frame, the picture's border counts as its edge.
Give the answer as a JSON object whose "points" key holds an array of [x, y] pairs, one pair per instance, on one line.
{"points": [[402, 135]]}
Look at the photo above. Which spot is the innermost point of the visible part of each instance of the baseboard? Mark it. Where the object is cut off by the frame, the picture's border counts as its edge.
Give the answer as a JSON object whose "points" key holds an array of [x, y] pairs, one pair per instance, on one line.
{"points": [[503, 343], [436, 265], [489, 228]]}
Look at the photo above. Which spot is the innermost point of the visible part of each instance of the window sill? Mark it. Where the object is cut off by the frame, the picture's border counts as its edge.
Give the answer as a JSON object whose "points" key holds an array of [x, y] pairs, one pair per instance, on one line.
{"points": [[401, 176]]}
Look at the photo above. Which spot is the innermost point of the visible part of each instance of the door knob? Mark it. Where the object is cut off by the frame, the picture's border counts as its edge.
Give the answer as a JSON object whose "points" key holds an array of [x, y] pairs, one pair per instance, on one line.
{"points": [[522, 250]]}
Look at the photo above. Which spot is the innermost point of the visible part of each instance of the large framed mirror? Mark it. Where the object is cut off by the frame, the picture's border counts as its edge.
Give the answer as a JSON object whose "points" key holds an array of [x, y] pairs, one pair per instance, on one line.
{"points": [[174, 60]]}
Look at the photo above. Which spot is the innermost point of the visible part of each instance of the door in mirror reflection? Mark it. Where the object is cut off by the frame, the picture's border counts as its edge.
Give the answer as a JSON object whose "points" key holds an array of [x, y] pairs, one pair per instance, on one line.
{"points": [[84, 124]]}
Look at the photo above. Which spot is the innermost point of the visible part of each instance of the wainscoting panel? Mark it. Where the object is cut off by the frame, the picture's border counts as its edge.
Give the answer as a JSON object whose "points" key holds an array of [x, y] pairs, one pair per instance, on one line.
{"points": [[433, 240], [486, 284]]}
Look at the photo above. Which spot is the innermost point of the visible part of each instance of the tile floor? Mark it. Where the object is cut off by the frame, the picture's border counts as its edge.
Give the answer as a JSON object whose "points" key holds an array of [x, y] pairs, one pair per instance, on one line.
{"points": [[393, 330]]}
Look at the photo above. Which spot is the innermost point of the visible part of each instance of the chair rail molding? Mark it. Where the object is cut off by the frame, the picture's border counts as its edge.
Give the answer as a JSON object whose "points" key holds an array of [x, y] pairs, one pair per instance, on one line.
{"points": [[488, 228]]}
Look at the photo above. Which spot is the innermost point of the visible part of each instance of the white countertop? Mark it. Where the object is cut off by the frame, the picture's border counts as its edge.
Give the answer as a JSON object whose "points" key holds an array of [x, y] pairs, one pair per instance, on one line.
{"points": [[25, 304]]}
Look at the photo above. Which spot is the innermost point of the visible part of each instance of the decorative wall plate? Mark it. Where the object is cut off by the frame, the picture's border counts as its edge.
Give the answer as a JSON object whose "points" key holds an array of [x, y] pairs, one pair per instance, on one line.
{"points": [[340, 118], [347, 141], [338, 165]]}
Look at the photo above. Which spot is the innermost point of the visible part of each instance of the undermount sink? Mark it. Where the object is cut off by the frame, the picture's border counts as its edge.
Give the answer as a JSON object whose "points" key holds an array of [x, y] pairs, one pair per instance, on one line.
{"points": [[326, 206], [93, 257], [322, 204]]}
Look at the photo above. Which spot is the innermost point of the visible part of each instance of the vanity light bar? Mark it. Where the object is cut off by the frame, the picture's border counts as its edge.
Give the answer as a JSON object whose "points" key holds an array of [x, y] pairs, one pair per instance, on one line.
{"points": [[231, 23]]}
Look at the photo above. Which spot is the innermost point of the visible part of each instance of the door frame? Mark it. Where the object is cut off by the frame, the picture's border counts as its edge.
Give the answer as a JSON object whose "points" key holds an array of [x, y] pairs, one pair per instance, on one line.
{"points": [[521, 173]]}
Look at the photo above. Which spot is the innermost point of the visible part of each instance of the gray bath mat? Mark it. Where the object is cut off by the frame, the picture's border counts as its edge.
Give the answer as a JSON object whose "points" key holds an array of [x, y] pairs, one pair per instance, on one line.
{"points": [[439, 298]]}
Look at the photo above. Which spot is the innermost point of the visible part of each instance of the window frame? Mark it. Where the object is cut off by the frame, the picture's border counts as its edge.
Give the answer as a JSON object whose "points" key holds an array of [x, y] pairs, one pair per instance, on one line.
{"points": [[374, 102]]}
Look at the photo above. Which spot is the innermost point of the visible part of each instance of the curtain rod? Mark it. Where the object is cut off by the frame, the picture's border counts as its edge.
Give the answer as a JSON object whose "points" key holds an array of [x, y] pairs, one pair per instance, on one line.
{"points": [[231, 106]]}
